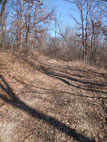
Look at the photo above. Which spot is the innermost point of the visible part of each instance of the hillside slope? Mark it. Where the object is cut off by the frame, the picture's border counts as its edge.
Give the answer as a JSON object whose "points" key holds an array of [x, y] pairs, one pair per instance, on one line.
{"points": [[44, 100]]}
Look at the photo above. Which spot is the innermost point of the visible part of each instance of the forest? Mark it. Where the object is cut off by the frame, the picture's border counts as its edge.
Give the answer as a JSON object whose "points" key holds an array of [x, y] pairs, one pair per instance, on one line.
{"points": [[25, 26], [53, 71]]}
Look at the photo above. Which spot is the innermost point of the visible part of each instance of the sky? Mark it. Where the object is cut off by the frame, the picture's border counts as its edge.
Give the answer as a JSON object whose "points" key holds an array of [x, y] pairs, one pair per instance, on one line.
{"points": [[63, 10]]}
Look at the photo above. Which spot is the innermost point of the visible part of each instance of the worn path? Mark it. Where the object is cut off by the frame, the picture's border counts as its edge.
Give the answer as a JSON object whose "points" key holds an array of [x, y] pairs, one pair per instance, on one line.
{"points": [[50, 101]]}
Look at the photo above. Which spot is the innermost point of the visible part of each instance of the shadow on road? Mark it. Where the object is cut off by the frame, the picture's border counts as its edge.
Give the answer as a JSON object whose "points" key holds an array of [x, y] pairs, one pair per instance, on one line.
{"points": [[67, 80], [13, 100]]}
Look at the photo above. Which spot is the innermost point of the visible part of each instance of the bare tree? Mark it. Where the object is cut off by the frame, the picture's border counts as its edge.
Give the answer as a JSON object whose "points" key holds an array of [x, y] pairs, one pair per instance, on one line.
{"points": [[3, 17], [89, 23], [3, 5], [30, 20]]}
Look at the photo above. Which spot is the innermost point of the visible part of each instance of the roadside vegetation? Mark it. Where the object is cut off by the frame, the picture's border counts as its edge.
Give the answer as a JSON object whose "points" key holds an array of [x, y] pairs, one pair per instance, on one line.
{"points": [[53, 89]]}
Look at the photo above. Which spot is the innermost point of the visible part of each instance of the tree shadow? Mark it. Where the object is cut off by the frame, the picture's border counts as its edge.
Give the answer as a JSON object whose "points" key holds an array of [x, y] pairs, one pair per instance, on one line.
{"points": [[50, 91], [15, 101], [80, 73], [64, 74], [41, 66], [53, 91], [66, 79], [89, 71]]}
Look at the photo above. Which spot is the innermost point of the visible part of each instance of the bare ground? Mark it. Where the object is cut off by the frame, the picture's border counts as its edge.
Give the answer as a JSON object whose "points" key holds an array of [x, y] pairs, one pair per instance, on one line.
{"points": [[44, 100]]}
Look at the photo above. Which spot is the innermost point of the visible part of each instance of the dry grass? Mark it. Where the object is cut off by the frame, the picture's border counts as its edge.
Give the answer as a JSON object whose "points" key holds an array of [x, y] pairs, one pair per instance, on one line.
{"points": [[46, 91]]}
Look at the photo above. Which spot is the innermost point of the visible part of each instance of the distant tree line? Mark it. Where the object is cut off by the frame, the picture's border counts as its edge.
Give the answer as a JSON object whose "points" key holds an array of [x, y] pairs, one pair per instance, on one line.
{"points": [[24, 25]]}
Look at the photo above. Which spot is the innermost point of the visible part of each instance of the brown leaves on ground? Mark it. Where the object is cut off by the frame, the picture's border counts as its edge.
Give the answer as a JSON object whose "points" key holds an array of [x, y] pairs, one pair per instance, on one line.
{"points": [[45, 100]]}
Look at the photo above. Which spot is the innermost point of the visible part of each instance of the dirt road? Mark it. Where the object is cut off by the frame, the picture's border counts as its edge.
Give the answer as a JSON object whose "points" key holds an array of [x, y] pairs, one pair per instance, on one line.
{"points": [[52, 101]]}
